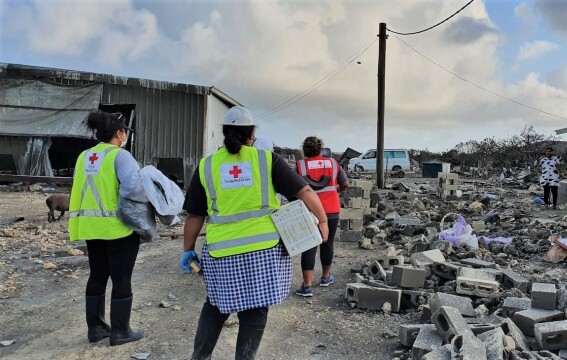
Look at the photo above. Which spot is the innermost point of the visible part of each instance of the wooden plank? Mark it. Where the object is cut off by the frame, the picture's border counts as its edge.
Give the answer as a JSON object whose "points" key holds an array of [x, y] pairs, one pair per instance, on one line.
{"points": [[59, 180]]}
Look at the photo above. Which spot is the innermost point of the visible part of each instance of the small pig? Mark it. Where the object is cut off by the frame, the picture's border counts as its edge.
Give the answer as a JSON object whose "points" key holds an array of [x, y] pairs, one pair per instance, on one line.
{"points": [[57, 202]]}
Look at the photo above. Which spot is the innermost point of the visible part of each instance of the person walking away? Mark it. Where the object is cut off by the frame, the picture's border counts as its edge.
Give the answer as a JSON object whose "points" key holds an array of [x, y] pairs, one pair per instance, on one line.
{"points": [[245, 265], [549, 178], [102, 175], [327, 178]]}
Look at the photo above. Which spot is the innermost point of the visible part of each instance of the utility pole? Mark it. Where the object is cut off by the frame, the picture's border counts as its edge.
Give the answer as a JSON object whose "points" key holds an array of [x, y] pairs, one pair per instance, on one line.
{"points": [[381, 99]]}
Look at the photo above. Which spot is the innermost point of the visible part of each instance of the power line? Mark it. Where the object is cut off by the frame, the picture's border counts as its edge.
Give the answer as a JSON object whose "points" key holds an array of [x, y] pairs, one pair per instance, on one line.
{"points": [[319, 83], [478, 86], [431, 27]]}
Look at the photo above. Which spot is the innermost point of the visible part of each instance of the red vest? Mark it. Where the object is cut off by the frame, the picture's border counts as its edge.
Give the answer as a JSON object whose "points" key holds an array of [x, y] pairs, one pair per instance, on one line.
{"points": [[316, 167]]}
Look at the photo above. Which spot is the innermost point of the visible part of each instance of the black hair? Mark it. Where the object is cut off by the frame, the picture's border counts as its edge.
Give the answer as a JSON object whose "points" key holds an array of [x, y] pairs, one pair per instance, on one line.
{"points": [[312, 146], [549, 149], [104, 125], [236, 136]]}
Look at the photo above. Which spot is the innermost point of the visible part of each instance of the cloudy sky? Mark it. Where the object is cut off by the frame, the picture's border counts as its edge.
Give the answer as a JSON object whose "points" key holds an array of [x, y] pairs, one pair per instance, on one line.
{"points": [[323, 56]]}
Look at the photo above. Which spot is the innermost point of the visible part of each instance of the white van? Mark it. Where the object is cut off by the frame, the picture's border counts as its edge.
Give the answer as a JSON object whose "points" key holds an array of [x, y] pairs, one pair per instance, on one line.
{"points": [[394, 159]]}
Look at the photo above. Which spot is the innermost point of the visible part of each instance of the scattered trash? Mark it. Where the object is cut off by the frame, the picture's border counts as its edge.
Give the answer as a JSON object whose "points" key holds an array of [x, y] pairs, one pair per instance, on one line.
{"points": [[141, 356], [461, 234], [7, 342]]}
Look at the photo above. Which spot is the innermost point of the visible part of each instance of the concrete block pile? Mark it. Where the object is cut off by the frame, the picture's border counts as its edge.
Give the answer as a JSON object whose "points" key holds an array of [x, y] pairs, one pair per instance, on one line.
{"points": [[533, 327], [355, 203], [447, 185]]}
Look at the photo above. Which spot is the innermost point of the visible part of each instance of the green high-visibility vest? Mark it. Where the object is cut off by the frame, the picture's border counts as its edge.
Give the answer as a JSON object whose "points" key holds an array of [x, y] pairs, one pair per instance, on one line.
{"points": [[94, 196], [240, 200]]}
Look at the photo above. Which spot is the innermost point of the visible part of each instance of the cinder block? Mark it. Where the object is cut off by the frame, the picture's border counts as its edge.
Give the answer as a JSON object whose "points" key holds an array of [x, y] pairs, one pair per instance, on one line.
{"points": [[408, 220], [478, 225], [350, 236], [477, 263], [426, 313], [465, 346], [352, 191], [427, 258], [440, 353], [407, 333], [463, 304], [343, 224], [445, 270], [412, 299], [407, 277], [510, 329], [450, 323], [442, 245], [473, 273], [355, 224], [348, 214], [551, 335], [426, 341], [481, 328], [493, 343], [513, 304], [365, 203], [376, 271], [544, 296], [387, 262], [355, 202], [526, 319], [511, 280], [477, 287], [365, 185], [359, 278], [373, 298], [380, 284], [407, 230], [393, 216], [431, 231]]}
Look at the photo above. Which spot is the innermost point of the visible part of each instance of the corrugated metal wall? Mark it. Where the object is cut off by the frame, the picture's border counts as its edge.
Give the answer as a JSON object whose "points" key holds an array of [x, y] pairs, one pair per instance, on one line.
{"points": [[170, 124]]}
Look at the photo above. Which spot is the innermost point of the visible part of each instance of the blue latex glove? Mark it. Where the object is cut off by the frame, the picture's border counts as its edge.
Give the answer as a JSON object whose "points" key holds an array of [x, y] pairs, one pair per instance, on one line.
{"points": [[186, 259]]}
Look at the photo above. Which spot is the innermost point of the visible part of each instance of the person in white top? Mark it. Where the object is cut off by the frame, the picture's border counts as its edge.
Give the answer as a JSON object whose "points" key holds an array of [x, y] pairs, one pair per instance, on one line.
{"points": [[549, 178]]}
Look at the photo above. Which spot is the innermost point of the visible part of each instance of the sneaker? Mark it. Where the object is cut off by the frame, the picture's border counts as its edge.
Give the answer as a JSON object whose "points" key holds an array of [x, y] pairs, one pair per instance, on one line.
{"points": [[305, 291], [326, 281]]}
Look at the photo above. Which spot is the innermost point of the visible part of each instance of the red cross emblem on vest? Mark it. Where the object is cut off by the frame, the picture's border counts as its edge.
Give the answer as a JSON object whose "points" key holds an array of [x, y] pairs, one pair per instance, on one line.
{"points": [[235, 171], [93, 158], [320, 163]]}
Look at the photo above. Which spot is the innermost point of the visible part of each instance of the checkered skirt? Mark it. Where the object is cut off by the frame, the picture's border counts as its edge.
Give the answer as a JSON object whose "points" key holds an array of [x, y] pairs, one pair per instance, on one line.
{"points": [[247, 281]]}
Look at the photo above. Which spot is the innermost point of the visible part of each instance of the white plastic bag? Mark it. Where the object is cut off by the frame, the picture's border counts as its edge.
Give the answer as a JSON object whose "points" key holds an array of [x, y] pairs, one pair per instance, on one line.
{"points": [[165, 195], [460, 234]]}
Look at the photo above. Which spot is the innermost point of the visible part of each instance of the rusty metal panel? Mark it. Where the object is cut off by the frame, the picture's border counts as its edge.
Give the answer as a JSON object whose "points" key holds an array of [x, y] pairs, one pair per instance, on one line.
{"points": [[170, 124]]}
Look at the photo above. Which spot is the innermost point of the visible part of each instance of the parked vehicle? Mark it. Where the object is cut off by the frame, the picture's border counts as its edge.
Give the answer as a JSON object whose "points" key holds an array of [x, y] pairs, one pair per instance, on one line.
{"points": [[394, 160]]}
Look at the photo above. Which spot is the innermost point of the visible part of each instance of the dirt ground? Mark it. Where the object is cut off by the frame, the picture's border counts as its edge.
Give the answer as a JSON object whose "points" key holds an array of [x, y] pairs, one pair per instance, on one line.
{"points": [[43, 309]]}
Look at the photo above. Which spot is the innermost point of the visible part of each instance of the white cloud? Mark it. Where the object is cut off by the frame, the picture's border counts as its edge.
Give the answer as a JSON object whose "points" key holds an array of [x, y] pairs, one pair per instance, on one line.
{"points": [[535, 49], [265, 52], [114, 29]]}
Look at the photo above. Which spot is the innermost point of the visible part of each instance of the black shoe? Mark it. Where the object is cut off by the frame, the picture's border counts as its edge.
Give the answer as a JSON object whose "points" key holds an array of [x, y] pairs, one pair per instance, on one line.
{"points": [[98, 328], [120, 320]]}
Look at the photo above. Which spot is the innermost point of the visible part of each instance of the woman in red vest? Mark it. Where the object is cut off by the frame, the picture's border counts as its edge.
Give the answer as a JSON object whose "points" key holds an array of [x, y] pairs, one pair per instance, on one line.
{"points": [[327, 178]]}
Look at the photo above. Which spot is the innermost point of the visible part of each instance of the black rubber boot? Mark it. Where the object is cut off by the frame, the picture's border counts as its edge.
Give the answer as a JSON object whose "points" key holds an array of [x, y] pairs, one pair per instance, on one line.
{"points": [[98, 328], [120, 320]]}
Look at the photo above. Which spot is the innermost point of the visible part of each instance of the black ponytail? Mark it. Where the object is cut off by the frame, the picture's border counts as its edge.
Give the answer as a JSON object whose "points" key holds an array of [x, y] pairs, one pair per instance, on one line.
{"points": [[236, 136], [103, 124]]}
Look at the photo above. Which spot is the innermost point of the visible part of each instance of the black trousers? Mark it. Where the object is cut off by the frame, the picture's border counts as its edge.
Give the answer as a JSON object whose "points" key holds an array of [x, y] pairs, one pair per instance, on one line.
{"points": [[327, 250], [546, 192], [114, 259], [250, 332]]}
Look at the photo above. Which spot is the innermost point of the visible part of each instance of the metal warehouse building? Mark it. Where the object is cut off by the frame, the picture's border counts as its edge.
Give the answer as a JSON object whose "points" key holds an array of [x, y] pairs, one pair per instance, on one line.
{"points": [[42, 110]]}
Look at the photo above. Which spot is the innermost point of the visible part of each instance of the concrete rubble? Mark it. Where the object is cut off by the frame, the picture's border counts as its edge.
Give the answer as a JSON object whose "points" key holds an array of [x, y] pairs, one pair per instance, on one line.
{"points": [[475, 300]]}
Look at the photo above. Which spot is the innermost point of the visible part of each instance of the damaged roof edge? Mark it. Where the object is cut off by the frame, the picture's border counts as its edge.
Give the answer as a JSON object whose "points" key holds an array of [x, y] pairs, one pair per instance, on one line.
{"points": [[37, 72], [224, 97]]}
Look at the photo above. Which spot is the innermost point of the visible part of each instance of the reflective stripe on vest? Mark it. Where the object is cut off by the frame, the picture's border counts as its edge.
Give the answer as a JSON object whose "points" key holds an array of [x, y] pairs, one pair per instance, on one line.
{"points": [[215, 218], [242, 241], [89, 183]]}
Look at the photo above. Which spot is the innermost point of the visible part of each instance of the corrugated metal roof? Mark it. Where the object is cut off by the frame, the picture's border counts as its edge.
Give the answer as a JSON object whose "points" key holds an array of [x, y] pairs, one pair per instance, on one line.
{"points": [[26, 71]]}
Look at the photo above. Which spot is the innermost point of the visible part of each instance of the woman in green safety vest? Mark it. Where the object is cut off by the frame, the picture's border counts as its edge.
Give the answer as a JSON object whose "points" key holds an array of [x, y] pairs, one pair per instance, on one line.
{"points": [[103, 174], [245, 265]]}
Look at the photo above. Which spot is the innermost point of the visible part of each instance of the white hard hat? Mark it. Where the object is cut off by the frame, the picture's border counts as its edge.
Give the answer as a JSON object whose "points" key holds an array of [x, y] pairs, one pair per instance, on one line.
{"points": [[238, 116]]}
